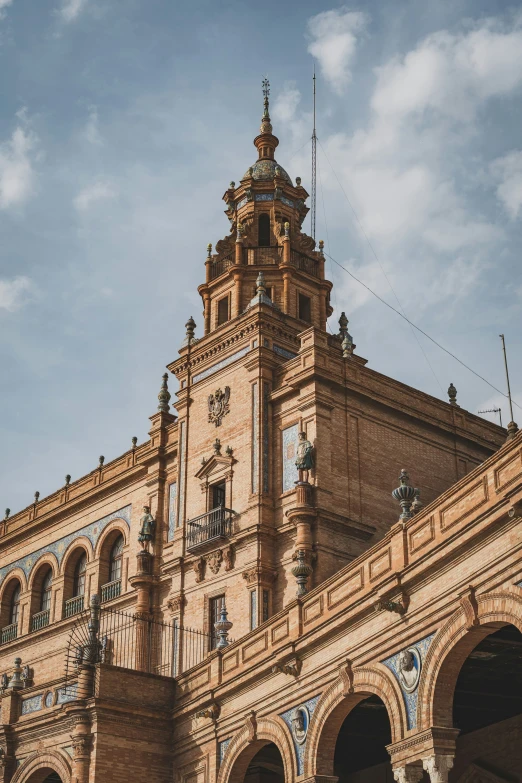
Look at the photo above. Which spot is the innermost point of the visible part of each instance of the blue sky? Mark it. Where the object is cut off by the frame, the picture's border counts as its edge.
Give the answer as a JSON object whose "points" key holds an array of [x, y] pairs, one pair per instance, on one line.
{"points": [[121, 125]]}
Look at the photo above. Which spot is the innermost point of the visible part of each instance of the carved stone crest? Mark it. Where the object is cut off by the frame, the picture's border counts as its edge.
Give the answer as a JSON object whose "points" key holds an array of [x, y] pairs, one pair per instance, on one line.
{"points": [[214, 560], [229, 557], [218, 405], [176, 603], [199, 569]]}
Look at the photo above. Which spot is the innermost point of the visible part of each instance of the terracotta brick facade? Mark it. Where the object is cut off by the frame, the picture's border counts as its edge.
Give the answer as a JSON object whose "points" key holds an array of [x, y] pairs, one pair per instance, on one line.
{"points": [[150, 699]]}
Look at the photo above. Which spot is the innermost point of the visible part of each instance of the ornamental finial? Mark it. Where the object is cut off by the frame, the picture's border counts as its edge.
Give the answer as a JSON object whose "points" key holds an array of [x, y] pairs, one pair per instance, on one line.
{"points": [[260, 284], [7, 512], [404, 494], [266, 126], [164, 395], [190, 327]]}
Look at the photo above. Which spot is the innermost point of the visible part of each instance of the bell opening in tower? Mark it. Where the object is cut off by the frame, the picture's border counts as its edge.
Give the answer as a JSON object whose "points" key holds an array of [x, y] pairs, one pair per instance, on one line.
{"points": [[264, 230]]}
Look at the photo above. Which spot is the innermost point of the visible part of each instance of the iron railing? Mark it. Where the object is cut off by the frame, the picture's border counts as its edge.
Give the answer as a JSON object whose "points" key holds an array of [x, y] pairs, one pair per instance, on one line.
{"points": [[220, 265], [8, 633], [207, 527], [40, 620], [121, 639], [110, 590], [262, 256], [74, 606], [304, 263]]}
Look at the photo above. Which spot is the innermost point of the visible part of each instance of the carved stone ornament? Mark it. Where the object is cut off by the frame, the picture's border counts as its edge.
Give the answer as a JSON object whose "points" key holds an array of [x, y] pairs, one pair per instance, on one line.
{"points": [[212, 712], [229, 556], [438, 767], [176, 603], [409, 669], [408, 774], [251, 725], [300, 723], [214, 560], [346, 675], [218, 405], [81, 745], [199, 568]]}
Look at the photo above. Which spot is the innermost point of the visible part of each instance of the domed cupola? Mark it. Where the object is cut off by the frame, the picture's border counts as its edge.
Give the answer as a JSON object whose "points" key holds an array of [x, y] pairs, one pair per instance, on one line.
{"points": [[266, 167]]}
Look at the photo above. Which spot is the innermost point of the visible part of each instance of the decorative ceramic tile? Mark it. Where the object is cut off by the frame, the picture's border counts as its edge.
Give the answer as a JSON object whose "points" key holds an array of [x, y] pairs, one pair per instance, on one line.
{"points": [[264, 196], [419, 650], [287, 201], [300, 747], [58, 548], [181, 472], [289, 440], [223, 749], [283, 352], [241, 203], [32, 704], [49, 699], [253, 609], [173, 517], [219, 366], [69, 750], [266, 395], [266, 169], [66, 694], [255, 442]]}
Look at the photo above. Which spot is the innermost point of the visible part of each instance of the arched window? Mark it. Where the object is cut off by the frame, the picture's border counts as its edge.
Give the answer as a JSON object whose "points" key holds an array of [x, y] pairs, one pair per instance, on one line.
{"points": [[79, 576], [115, 561], [264, 230], [47, 586], [14, 608]]}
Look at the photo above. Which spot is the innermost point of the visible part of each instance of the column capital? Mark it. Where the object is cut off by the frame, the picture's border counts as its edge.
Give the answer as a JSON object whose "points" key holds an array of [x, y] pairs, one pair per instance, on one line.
{"points": [[438, 767], [409, 773]]}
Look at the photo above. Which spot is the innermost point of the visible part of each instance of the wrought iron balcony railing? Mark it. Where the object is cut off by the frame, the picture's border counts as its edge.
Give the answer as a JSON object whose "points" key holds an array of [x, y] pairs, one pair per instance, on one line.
{"points": [[304, 263], [110, 590], [214, 524], [40, 620], [74, 606], [8, 633], [220, 265], [262, 256]]}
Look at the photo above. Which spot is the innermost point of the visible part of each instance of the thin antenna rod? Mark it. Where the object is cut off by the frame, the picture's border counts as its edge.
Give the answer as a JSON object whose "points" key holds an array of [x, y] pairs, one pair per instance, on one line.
{"points": [[507, 376], [314, 172], [493, 410]]}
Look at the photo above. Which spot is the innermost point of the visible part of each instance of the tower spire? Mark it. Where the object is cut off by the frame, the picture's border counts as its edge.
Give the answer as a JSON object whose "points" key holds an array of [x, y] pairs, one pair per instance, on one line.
{"points": [[266, 125], [266, 142]]}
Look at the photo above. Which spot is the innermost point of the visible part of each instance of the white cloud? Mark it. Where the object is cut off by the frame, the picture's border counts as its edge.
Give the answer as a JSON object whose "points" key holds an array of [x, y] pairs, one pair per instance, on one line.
{"points": [[508, 171], [91, 132], [335, 41], [17, 174], [450, 74], [98, 191], [14, 293], [71, 9]]}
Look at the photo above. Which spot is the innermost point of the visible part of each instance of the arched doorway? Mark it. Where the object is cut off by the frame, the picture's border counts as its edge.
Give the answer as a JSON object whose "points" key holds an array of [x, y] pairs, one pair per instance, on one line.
{"points": [[53, 778], [360, 751], [266, 766], [487, 708]]}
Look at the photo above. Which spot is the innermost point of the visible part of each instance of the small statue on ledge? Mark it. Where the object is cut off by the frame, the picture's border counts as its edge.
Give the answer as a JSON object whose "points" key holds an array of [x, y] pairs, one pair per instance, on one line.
{"points": [[146, 533], [305, 458]]}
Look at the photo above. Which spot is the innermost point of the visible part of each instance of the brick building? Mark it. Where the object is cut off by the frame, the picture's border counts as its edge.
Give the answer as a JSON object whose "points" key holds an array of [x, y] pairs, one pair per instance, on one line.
{"points": [[373, 637]]}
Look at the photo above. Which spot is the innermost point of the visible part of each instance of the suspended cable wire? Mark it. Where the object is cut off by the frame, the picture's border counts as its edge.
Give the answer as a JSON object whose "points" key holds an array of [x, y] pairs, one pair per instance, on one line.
{"points": [[421, 330], [382, 269]]}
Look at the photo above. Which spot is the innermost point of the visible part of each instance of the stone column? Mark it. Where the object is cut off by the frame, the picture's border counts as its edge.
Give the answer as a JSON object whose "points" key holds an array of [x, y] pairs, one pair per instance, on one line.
{"points": [[238, 286], [287, 276], [142, 583], [302, 515], [206, 305], [81, 741], [438, 767]]}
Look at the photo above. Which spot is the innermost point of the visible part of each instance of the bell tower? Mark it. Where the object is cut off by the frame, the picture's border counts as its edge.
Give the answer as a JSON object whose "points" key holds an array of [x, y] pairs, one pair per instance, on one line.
{"points": [[266, 213]]}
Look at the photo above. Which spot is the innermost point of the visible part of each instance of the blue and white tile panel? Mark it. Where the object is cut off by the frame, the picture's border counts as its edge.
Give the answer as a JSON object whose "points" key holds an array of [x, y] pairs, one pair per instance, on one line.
{"points": [[173, 516], [410, 699], [223, 363], [289, 444], [58, 548], [311, 704]]}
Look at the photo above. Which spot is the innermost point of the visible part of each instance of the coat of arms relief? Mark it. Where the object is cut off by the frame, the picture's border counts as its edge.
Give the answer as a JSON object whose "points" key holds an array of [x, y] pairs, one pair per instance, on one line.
{"points": [[218, 405]]}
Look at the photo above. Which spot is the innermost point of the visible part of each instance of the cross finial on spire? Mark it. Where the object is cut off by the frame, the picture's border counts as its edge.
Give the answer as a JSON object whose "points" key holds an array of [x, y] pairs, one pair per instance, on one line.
{"points": [[266, 92]]}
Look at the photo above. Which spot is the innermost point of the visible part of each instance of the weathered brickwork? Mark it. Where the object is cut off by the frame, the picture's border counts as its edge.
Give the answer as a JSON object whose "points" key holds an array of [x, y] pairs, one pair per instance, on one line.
{"points": [[137, 687]]}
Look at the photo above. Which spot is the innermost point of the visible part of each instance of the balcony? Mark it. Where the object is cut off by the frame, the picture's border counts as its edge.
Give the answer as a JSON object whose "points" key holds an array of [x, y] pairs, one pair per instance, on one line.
{"points": [[304, 263], [213, 525], [74, 606], [40, 620], [110, 590], [262, 256], [220, 265], [9, 633]]}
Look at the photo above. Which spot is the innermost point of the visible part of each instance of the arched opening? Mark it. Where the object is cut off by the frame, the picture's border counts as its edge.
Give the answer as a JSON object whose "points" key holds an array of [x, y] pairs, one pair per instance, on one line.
{"points": [[266, 766], [111, 567], [10, 611], [53, 778], [487, 707], [41, 598], [263, 235], [360, 750], [75, 582]]}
